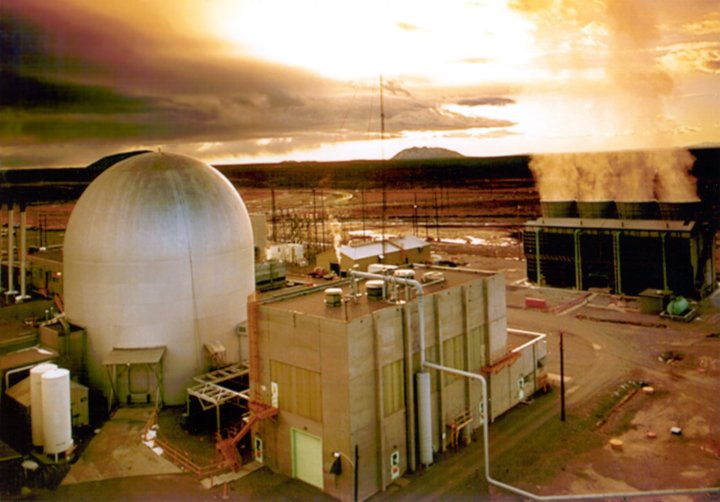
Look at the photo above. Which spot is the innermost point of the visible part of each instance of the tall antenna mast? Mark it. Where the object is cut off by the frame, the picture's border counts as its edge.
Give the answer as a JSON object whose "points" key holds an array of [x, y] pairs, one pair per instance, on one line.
{"points": [[382, 153], [382, 120]]}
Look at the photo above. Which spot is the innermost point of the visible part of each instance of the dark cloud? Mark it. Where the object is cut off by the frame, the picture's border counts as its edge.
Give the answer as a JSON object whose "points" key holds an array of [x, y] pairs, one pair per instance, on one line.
{"points": [[75, 85], [17, 91], [486, 101]]}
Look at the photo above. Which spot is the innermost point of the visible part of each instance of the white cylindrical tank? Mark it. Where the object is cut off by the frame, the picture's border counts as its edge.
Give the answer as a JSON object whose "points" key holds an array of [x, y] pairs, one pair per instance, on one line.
{"points": [[422, 379], [36, 413], [159, 252], [57, 415]]}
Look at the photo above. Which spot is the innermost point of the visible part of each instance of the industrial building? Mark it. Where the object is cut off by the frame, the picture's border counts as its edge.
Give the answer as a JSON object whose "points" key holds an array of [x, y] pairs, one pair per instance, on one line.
{"points": [[399, 251], [623, 247], [340, 366], [158, 278]]}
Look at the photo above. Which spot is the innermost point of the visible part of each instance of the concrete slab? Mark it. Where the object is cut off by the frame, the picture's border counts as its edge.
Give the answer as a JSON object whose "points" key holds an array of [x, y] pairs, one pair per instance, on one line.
{"points": [[118, 451]]}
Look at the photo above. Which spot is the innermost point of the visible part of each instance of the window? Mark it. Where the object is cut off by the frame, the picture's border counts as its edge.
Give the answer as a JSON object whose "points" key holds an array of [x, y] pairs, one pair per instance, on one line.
{"points": [[454, 356], [299, 390], [393, 387]]}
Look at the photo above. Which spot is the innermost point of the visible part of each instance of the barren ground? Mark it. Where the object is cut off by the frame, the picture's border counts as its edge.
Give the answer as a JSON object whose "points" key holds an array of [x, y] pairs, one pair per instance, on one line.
{"points": [[609, 348]]}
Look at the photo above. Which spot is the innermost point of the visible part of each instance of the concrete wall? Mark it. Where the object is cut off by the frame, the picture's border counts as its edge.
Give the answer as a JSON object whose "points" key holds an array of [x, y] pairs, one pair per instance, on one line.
{"points": [[351, 356]]}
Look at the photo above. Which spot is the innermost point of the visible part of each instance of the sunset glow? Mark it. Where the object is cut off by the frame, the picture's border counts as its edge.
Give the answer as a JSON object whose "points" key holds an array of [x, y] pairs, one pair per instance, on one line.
{"points": [[255, 81]]}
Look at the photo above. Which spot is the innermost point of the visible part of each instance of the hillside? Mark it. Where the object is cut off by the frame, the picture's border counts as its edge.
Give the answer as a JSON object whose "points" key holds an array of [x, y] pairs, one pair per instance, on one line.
{"points": [[425, 152]]}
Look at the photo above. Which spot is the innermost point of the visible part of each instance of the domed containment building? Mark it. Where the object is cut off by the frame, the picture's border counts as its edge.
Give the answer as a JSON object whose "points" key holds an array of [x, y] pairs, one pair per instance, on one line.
{"points": [[158, 266]]}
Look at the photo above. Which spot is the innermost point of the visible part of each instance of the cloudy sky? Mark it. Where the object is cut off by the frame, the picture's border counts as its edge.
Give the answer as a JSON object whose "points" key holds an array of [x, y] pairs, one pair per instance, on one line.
{"points": [[271, 80]]}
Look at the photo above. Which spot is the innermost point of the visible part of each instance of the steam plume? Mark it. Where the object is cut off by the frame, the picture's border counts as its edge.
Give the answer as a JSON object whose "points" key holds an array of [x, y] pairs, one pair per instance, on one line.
{"points": [[662, 175]]}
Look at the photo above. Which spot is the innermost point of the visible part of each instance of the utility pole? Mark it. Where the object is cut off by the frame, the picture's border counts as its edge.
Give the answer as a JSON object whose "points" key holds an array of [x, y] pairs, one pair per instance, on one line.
{"points": [[274, 218], [437, 218]]}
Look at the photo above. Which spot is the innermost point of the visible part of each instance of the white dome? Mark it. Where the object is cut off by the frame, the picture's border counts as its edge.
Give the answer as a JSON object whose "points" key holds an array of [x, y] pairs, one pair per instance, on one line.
{"points": [[159, 252]]}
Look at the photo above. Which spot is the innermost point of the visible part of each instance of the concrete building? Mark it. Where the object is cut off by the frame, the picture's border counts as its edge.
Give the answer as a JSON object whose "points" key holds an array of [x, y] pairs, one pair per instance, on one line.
{"points": [[158, 266], [400, 251], [340, 365]]}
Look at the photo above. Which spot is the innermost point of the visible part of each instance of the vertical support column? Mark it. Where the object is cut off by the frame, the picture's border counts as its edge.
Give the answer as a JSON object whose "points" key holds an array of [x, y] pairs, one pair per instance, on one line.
{"points": [[2, 211], [663, 250], [618, 263], [23, 253], [11, 252], [537, 258], [578, 259]]}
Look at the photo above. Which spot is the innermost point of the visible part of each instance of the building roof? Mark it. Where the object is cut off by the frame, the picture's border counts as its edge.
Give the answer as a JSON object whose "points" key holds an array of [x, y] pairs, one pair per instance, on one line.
{"points": [[312, 303], [370, 249], [613, 224]]}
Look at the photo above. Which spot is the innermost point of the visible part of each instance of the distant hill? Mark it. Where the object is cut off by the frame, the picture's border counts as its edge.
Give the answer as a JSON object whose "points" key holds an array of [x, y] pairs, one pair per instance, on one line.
{"points": [[425, 152]]}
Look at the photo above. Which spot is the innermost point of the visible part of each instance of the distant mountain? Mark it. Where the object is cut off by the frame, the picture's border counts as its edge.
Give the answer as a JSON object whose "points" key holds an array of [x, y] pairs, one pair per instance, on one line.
{"points": [[425, 152]]}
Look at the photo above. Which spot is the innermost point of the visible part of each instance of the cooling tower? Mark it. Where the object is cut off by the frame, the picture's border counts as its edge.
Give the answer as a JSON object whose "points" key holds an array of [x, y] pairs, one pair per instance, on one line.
{"points": [[637, 210], [596, 209], [559, 208], [159, 252], [680, 211]]}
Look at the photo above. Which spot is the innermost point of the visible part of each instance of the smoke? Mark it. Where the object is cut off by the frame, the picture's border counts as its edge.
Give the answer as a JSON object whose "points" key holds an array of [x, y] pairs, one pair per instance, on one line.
{"points": [[662, 175], [337, 233]]}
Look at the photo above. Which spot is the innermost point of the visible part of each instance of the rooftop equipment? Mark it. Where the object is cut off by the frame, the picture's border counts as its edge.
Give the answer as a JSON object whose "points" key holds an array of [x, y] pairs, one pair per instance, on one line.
{"points": [[333, 297]]}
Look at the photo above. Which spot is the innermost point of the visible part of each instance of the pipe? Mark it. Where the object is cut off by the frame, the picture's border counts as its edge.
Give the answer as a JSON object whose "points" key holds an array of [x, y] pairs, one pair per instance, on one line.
{"points": [[420, 295], [523, 493], [409, 389], [486, 441]]}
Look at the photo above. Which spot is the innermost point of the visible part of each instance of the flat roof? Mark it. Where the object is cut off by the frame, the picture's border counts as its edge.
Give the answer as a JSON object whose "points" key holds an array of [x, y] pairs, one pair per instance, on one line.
{"points": [[614, 224], [313, 303], [26, 357], [386, 246], [11, 330], [142, 355]]}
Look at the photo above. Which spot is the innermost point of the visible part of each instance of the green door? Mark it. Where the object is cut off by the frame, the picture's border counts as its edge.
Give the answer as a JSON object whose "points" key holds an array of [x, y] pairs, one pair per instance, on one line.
{"points": [[307, 458]]}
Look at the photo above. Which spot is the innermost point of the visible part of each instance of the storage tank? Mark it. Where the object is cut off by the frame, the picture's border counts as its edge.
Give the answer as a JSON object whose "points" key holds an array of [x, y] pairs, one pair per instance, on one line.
{"points": [[159, 252], [36, 408], [57, 417]]}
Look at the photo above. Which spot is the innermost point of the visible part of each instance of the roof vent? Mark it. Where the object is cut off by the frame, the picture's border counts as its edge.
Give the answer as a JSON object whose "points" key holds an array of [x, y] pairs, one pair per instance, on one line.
{"points": [[333, 297], [375, 289], [433, 276], [405, 273], [380, 268]]}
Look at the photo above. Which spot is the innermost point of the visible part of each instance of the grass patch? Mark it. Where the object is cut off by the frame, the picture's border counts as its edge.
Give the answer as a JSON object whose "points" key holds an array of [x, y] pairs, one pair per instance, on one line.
{"points": [[542, 455]]}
